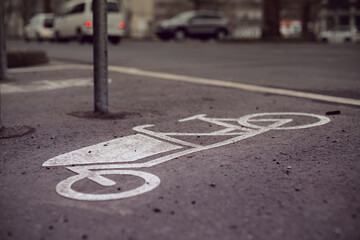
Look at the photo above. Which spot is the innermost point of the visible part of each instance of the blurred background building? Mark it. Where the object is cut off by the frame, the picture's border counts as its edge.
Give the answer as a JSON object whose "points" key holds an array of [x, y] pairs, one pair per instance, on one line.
{"points": [[339, 13], [249, 19]]}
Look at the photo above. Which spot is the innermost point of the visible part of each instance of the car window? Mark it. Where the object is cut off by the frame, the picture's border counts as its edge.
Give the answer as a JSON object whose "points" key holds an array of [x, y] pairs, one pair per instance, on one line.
{"points": [[49, 22], [198, 17], [206, 17], [183, 16], [112, 7], [212, 17], [79, 8]]}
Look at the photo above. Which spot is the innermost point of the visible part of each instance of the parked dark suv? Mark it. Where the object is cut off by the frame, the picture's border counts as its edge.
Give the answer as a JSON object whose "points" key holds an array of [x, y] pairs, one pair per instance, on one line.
{"points": [[202, 24]]}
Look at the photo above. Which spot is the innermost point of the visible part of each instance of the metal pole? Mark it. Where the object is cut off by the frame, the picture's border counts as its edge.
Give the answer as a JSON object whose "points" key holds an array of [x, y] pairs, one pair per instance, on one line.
{"points": [[3, 62], [100, 56]]}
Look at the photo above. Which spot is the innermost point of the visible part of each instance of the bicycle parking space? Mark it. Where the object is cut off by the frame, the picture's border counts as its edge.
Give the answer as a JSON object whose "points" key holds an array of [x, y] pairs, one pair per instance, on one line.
{"points": [[235, 161]]}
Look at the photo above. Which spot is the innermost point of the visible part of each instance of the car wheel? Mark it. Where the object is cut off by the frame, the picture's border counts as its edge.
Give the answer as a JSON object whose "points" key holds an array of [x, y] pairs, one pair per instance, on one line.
{"points": [[179, 35], [221, 35], [80, 37], [58, 37], [115, 40], [324, 40]]}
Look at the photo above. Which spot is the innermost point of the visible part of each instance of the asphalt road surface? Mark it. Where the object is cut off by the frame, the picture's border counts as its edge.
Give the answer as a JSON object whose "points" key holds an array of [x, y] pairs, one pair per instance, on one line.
{"points": [[329, 69], [227, 170]]}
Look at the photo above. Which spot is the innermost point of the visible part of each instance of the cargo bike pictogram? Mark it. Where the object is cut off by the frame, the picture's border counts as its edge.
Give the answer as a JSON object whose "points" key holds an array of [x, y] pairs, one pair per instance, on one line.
{"points": [[122, 156]]}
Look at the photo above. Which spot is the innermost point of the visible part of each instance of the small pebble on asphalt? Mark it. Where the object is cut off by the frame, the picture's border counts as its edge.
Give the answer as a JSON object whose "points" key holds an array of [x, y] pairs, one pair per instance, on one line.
{"points": [[157, 210], [333, 112]]}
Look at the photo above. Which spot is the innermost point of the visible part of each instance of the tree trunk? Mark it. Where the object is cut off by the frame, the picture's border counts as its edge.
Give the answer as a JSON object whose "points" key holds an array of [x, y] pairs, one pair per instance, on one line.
{"points": [[46, 6], [27, 9], [197, 4], [271, 22], [305, 20]]}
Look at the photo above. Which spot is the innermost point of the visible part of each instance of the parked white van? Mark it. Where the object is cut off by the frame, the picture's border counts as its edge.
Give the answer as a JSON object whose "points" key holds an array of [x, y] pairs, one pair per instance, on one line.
{"points": [[75, 21], [340, 34], [40, 27]]}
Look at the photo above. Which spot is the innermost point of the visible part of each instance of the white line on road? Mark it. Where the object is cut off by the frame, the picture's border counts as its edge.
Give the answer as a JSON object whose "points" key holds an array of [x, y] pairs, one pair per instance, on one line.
{"points": [[202, 81], [49, 68], [242, 86], [46, 85]]}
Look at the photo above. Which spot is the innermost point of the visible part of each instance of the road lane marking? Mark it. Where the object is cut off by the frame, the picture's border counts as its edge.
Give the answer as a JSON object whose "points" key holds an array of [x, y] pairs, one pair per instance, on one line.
{"points": [[201, 81], [49, 68], [242, 86], [46, 85], [117, 156]]}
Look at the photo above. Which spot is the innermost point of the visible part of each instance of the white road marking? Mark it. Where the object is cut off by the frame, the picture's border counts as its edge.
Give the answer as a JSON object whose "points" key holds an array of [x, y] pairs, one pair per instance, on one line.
{"points": [[131, 148], [124, 149], [197, 80], [246, 120], [49, 68], [46, 85], [242, 86], [151, 182]]}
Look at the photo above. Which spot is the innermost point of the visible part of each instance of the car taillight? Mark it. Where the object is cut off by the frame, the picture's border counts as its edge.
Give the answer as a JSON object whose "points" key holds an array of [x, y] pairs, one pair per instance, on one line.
{"points": [[121, 25], [88, 24]]}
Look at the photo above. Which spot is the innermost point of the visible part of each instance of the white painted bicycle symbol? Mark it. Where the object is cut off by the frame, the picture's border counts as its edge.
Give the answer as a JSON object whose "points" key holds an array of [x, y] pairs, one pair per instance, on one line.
{"points": [[118, 156]]}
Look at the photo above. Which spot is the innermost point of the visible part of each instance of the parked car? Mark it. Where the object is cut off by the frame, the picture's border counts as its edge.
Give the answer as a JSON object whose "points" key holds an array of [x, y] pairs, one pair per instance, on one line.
{"points": [[202, 24], [75, 21], [40, 27], [340, 34]]}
